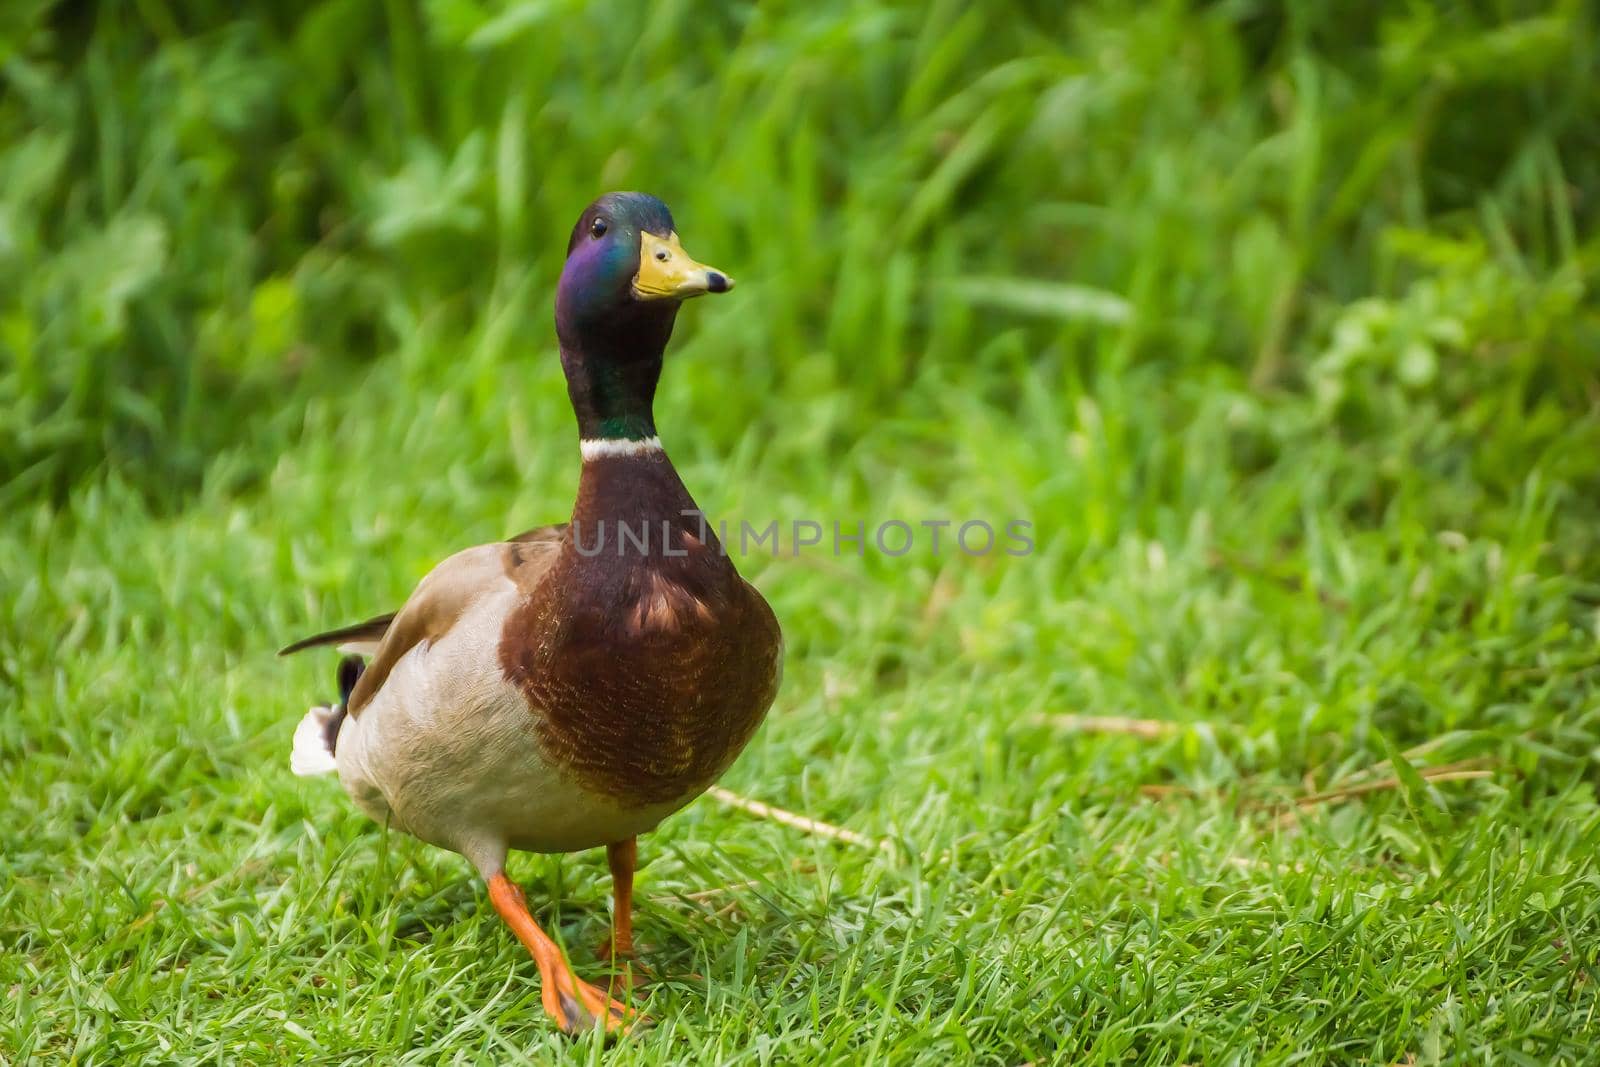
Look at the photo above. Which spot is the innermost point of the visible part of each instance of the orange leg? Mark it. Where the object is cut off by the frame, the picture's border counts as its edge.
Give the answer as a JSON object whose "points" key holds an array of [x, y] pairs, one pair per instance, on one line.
{"points": [[622, 858], [574, 1004]]}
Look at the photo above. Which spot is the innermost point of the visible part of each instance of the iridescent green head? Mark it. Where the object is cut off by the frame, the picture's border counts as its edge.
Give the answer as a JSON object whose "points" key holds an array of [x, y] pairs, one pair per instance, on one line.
{"points": [[625, 277]]}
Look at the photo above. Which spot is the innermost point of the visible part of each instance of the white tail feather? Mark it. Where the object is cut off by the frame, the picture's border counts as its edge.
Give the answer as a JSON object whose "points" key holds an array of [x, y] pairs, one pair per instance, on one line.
{"points": [[311, 755]]}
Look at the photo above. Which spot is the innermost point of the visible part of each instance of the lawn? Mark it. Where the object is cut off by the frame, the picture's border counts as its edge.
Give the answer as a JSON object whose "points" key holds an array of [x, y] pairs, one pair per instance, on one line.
{"points": [[1277, 325]]}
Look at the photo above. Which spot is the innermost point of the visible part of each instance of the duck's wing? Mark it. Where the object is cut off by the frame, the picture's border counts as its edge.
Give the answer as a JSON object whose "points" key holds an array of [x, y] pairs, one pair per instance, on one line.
{"points": [[438, 601]]}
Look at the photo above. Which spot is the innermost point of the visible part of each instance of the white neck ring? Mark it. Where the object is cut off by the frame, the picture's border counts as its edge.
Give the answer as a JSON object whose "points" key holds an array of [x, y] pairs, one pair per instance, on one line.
{"points": [[607, 447]]}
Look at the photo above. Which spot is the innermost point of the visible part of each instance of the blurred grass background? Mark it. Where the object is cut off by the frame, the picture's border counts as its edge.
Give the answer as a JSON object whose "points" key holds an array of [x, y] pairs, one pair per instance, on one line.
{"points": [[1276, 321]]}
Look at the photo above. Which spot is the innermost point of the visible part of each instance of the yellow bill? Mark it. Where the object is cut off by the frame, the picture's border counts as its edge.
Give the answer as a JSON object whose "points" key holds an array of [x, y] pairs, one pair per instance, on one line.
{"points": [[667, 273]]}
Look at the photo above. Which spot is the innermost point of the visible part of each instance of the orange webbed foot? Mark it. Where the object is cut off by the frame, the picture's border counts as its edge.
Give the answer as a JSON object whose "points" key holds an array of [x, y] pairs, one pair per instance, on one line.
{"points": [[576, 1006], [627, 973]]}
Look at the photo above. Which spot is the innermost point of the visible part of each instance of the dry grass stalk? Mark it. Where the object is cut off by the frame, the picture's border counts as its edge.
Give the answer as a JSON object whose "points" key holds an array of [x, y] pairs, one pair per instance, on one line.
{"points": [[1360, 788], [1162, 792], [789, 818], [1107, 724], [708, 894], [1450, 772]]}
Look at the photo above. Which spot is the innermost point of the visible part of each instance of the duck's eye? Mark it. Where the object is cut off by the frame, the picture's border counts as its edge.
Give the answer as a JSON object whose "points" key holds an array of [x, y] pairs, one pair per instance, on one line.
{"points": [[663, 255], [598, 228]]}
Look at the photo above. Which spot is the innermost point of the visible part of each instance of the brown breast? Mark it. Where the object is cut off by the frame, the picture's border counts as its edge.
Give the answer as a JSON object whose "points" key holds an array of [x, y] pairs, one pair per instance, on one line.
{"points": [[645, 676]]}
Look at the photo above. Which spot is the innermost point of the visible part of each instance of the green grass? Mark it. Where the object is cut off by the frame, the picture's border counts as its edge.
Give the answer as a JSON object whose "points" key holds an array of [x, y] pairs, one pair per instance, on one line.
{"points": [[1278, 327]]}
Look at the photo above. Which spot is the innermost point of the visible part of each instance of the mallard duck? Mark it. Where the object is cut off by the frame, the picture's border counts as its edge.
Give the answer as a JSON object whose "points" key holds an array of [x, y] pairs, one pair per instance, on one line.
{"points": [[570, 687]]}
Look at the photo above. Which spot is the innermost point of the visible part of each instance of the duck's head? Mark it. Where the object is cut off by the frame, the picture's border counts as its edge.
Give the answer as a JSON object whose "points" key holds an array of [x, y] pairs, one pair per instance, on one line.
{"points": [[624, 262], [625, 277]]}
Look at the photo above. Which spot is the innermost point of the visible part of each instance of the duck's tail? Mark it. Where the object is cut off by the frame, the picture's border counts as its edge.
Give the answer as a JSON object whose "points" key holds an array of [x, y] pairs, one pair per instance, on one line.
{"points": [[318, 733], [361, 638]]}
